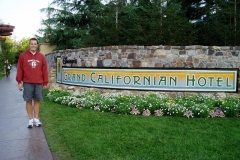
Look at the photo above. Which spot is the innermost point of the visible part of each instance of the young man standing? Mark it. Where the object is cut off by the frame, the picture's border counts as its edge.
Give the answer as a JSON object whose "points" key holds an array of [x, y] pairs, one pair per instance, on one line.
{"points": [[32, 77]]}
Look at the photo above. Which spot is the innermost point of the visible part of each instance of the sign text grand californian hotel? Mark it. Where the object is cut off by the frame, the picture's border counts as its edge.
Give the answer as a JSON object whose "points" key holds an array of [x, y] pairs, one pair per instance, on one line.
{"points": [[219, 80]]}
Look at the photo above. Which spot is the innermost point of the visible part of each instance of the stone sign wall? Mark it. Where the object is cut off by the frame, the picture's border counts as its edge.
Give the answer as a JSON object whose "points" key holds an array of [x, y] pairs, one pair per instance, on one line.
{"points": [[195, 56]]}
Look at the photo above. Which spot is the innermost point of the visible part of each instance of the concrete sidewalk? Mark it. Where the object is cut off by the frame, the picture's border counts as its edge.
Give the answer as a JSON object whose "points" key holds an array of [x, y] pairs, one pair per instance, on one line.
{"points": [[17, 142]]}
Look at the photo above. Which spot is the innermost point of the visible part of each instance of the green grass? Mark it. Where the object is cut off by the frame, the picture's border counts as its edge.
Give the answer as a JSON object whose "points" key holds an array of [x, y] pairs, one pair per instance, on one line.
{"points": [[85, 134], [2, 76]]}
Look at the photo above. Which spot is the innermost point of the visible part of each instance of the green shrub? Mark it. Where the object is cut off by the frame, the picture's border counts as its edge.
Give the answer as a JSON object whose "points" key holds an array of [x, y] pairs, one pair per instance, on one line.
{"points": [[153, 104]]}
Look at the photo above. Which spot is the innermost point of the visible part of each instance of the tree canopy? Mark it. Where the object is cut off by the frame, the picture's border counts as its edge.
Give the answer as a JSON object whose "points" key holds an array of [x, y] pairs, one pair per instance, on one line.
{"points": [[84, 23]]}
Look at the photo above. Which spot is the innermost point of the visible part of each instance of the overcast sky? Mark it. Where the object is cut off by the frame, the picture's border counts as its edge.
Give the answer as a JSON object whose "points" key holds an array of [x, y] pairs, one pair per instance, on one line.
{"points": [[25, 15]]}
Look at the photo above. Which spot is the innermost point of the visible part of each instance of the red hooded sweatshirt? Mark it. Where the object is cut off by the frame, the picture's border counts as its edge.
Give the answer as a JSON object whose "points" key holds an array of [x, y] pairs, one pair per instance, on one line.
{"points": [[32, 68]]}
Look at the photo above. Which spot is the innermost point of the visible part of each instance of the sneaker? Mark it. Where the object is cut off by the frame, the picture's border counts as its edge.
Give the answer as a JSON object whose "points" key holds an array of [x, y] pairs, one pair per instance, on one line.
{"points": [[37, 122], [30, 123]]}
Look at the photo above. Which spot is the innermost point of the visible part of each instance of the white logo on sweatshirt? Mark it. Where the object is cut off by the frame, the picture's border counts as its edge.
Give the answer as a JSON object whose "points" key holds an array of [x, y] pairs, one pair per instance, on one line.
{"points": [[33, 63]]}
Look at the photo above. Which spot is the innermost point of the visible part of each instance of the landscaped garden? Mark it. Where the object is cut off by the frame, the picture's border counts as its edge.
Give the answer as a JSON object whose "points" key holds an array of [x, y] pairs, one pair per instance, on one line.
{"points": [[150, 104], [83, 127]]}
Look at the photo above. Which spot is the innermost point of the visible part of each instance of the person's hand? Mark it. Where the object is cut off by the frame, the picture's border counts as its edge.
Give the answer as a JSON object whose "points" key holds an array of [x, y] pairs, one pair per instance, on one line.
{"points": [[44, 87], [20, 86]]}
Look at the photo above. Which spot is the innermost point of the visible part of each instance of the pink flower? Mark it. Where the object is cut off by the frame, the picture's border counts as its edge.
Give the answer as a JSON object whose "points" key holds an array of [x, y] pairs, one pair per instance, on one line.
{"points": [[146, 113], [188, 114], [217, 112], [135, 111], [158, 112], [212, 114], [97, 108], [221, 114]]}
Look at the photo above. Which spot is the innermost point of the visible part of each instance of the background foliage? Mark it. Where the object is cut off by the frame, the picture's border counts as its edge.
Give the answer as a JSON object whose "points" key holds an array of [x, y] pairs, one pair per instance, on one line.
{"points": [[11, 50], [84, 23]]}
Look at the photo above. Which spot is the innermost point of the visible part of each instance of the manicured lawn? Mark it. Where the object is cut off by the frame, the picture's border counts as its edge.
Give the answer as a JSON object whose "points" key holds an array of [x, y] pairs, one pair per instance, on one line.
{"points": [[87, 134]]}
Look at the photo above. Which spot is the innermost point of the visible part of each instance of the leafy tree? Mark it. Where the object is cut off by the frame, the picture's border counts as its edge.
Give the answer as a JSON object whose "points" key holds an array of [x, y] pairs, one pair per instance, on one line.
{"points": [[71, 25], [219, 27], [8, 52], [177, 30], [21, 46], [84, 23], [215, 20]]}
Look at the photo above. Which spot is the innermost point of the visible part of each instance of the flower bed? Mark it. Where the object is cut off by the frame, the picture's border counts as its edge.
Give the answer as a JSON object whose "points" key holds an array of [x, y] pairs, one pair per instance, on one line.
{"points": [[152, 104]]}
